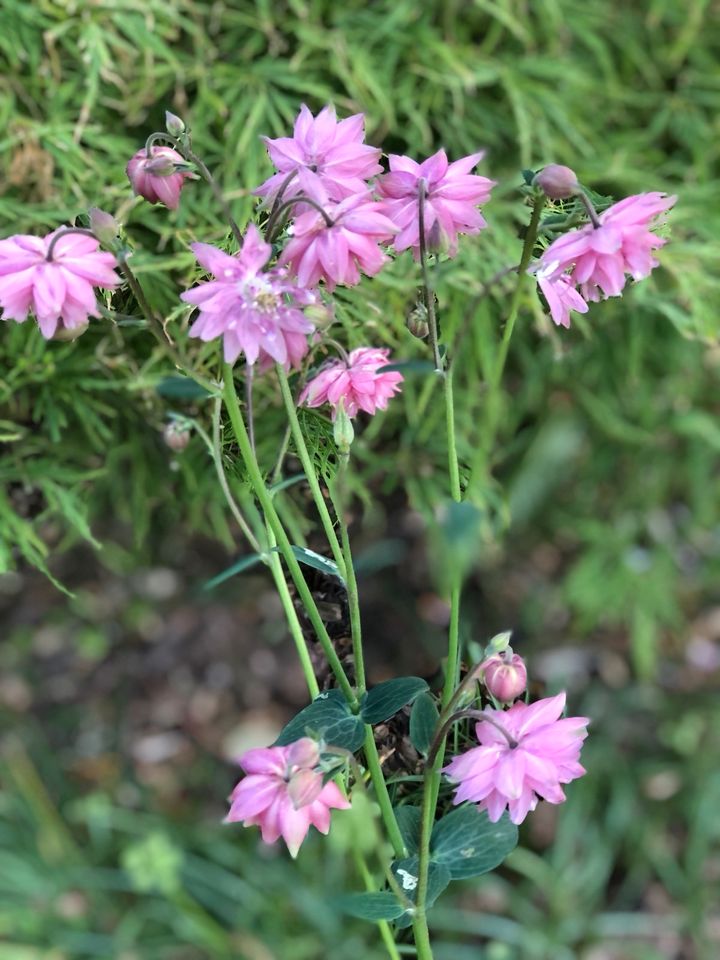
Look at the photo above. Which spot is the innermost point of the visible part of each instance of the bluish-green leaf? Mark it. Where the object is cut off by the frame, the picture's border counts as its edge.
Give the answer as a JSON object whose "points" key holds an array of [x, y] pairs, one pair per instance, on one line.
{"points": [[369, 906], [316, 561], [384, 700], [409, 366], [327, 717], [423, 722], [407, 871], [244, 563], [181, 388], [408, 820], [469, 844]]}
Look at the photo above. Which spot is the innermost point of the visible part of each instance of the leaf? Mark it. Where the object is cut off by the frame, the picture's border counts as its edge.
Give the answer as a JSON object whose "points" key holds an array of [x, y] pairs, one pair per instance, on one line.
{"points": [[328, 717], [369, 906], [244, 563], [315, 560], [406, 873], [287, 482], [408, 820], [469, 844], [181, 388], [384, 700], [408, 366], [423, 723]]}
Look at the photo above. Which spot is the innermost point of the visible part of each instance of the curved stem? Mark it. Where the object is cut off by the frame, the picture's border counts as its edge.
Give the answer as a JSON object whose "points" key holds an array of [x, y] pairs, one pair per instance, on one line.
{"points": [[158, 137], [287, 205], [64, 232], [272, 216], [309, 468], [187, 152], [591, 211], [284, 545]]}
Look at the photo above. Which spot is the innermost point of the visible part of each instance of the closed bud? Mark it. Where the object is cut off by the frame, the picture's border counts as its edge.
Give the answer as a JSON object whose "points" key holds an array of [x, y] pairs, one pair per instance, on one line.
{"points": [[499, 643], [176, 436], [303, 753], [321, 314], [343, 430], [557, 182], [65, 334], [304, 787], [174, 125], [505, 676], [417, 321], [104, 226]]}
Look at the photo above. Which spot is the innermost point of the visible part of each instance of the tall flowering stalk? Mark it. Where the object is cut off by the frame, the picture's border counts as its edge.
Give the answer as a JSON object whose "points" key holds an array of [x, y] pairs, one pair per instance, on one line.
{"points": [[331, 216]]}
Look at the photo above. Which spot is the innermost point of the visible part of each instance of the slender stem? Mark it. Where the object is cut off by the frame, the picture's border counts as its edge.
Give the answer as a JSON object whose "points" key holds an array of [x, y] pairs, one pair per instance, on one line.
{"points": [[479, 715], [187, 152], [272, 216], [310, 472], [249, 404], [383, 925], [428, 291], [337, 495], [420, 927], [591, 211], [381, 793], [453, 467], [277, 470], [287, 205], [158, 137], [284, 545], [64, 232]]}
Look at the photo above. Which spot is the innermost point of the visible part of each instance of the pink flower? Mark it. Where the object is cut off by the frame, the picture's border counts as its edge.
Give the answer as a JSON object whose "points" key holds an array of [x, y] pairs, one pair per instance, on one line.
{"points": [[357, 382], [331, 153], [452, 195], [600, 257], [505, 676], [155, 177], [283, 794], [258, 314], [534, 755], [60, 292], [560, 293], [337, 253]]}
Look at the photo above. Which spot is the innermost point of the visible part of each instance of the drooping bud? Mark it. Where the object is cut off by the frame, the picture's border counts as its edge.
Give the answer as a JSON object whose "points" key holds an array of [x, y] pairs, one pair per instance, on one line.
{"points": [[158, 178], [104, 226], [176, 436], [304, 753], [304, 787], [321, 314], [557, 182], [343, 430], [417, 321], [173, 124], [505, 676]]}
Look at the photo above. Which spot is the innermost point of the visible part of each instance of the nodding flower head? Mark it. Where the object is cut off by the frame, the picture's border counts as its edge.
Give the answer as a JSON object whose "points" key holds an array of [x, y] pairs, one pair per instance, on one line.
{"points": [[158, 178]]}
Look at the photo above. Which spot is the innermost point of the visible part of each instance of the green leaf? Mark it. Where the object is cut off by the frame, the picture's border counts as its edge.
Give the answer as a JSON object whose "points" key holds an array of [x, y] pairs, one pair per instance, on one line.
{"points": [[287, 482], [469, 844], [406, 873], [369, 906], [408, 820], [409, 366], [244, 563], [327, 717], [181, 388], [384, 700], [316, 561], [423, 722]]}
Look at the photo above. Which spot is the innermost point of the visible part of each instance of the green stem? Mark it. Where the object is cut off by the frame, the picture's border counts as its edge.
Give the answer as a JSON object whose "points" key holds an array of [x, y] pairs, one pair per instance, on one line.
{"points": [[187, 152], [420, 927], [429, 293], [381, 793], [383, 925], [284, 545], [309, 469]]}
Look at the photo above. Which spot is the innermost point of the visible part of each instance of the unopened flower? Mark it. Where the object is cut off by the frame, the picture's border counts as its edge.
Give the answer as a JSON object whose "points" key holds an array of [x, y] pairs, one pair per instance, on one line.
{"points": [[525, 754], [330, 152], [560, 293], [505, 676], [338, 252], [174, 125], [283, 794], [176, 436], [557, 182], [104, 226], [452, 195], [359, 383], [156, 177], [256, 313], [598, 258], [60, 292]]}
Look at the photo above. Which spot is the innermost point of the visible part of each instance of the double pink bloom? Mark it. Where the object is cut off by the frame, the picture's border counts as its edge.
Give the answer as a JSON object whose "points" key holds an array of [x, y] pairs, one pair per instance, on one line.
{"points": [[528, 758], [256, 313], [283, 793], [598, 259], [59, 292], [360, 383]]}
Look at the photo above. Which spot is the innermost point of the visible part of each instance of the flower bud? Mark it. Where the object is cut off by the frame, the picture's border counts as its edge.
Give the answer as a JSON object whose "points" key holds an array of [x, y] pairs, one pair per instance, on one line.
{"points": [[557, 182], [304, 787], [66, 334], [303, 753], [417, 321], [343, 430], [104, 226], [173, 124], [176, 436], [321, 314], [505, 676], [499, 643]]}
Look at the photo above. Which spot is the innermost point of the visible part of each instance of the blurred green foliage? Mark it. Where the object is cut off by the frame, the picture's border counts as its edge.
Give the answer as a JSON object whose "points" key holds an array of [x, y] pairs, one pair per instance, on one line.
{"points": [[610, 437]]}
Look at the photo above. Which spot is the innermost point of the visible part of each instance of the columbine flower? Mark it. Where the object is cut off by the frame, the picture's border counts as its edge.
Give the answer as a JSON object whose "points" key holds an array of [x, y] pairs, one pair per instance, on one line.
{"points": [[60, 292], [559, 291], [452, 194], [359, 383], [331, 153], [283, 794], [258, 314], [505, 675], [156, 177], [337, 253], [536, 753], [599, 257]]}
